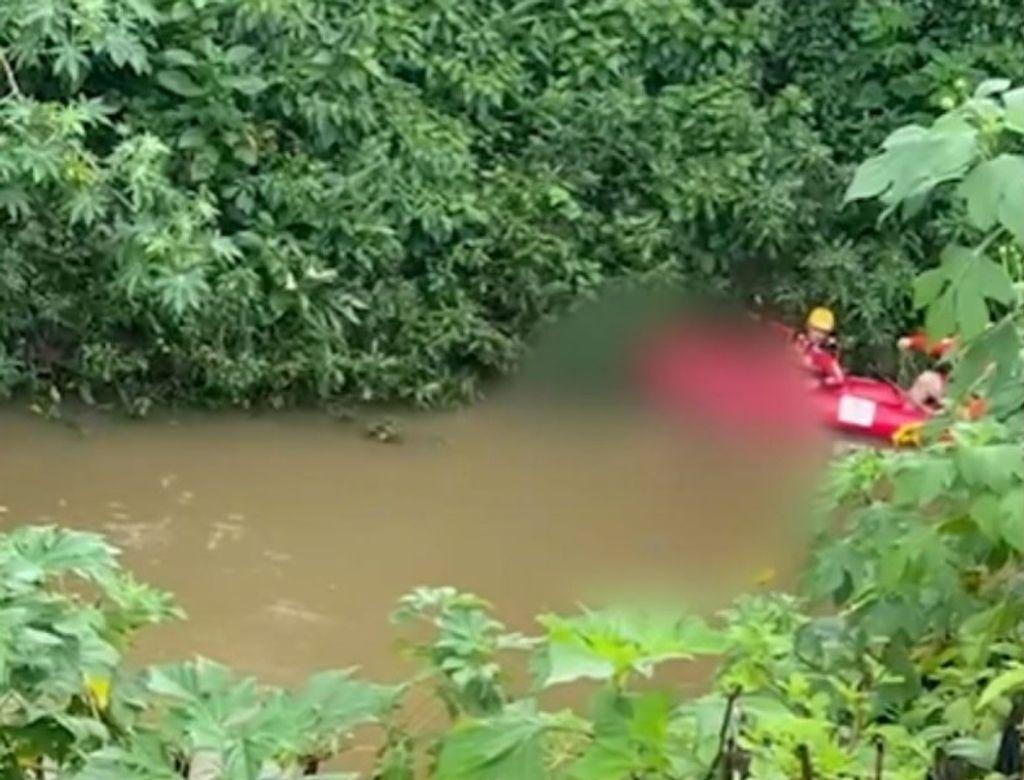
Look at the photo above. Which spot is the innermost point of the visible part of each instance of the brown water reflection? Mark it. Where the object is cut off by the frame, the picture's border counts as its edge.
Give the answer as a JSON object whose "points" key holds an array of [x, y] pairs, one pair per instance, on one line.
{"points": [[288, 537]]}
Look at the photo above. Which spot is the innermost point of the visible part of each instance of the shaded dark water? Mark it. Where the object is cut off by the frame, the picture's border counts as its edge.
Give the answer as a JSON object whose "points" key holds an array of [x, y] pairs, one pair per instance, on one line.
{"points": [[287, 538]]}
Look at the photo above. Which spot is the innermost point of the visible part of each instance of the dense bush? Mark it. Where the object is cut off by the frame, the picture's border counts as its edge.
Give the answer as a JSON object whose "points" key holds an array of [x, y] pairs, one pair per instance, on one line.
{"points": [[872, 65], [229, 201]]}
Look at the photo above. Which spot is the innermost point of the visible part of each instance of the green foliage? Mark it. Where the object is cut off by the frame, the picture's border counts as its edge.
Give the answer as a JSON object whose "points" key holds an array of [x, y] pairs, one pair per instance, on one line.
{"points": [[903, 658], [507, 746], [55, 645], [233, 202], [896, 61], [972, 293], [614, 647], [463, 655]]}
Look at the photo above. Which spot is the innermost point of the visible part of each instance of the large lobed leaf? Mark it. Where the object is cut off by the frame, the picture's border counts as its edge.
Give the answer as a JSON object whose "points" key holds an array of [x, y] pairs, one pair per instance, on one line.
{"points": [[508, 746], [915, 160], [956, 294], [994, 194], [611, 645]]}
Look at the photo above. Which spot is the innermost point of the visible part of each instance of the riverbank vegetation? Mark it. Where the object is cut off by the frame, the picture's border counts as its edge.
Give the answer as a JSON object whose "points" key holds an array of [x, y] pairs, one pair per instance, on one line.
{"points": [[900, 657], [274, 201], [238, 200]]}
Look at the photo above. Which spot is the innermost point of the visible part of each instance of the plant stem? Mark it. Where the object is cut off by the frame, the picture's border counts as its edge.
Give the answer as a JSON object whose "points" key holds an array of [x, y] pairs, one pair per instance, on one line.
{"points": [[987, 242], [879, 757], [723, 734], [12, 82]]}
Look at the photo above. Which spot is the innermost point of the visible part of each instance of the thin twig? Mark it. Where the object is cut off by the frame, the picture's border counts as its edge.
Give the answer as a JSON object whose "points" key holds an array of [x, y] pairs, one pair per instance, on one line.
{"points": [[723, 734], [987, 241], [879, 757], [12, 82]]}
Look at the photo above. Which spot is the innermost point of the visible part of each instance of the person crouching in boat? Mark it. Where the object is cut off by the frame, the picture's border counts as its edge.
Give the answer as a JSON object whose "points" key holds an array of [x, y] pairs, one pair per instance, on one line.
{"points": [[817, 347], [929, 388]]}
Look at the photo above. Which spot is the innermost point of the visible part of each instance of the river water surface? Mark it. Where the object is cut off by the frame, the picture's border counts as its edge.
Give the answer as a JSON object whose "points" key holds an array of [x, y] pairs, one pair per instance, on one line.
{"points": [[288, 537]]}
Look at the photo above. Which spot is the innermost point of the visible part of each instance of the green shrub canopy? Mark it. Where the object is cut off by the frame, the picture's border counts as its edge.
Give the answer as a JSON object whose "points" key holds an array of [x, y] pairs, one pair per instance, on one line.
{"points": [[238, 201]]}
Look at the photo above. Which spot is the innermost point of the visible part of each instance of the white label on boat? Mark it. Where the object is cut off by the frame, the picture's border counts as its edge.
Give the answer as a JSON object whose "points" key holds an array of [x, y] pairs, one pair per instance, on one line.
{"points": [[857, 411]]}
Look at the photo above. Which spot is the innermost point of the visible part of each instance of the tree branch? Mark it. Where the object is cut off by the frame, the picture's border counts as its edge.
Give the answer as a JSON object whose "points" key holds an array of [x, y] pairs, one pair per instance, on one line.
{"points": [[12, 82]]}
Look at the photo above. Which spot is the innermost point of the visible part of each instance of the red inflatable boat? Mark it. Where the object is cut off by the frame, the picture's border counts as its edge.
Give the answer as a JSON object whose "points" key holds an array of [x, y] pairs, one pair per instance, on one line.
{"points": [[869, 407], [741, 377]]}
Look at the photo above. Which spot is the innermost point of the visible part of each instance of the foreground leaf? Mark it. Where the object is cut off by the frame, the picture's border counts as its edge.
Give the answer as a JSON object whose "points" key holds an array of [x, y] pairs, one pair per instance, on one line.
{"points": [[508, 746]]}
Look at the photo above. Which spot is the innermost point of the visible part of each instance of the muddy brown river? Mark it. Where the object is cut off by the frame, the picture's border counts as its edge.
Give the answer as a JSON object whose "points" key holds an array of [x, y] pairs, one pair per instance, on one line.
{"points": [[287, 537]]}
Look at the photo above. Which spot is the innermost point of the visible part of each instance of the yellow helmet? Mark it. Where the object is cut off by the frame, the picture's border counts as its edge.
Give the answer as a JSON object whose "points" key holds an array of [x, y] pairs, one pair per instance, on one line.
{"points": [[822, 319]]}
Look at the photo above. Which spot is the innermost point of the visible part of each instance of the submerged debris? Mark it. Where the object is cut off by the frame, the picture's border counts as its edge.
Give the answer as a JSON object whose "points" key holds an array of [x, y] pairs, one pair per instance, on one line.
{"points": [[221, 531], [385, 431]]}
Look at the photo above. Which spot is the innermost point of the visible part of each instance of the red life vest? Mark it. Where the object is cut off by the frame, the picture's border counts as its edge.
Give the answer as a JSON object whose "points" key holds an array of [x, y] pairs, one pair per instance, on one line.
{"points": [[919, 342], [820, 360]]}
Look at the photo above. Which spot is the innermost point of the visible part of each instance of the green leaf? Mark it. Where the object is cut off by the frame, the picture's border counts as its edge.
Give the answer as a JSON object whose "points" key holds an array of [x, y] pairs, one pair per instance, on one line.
{"points": [[181, 291], [508, 746], [33, 553], [246, 155], [980, 753], [610, 644], [940, 317], [337, 702], [871, 179], [180, 83], [1007, 682], [567, 662], [994, 466], [956, 293], [630, 736], [247, 85], [194, 681], [994, 282], [928, 285], [650, 718], [915, 159], [1001, 517], [994, 191], [70, 62], [607, 757], [1013, 509], [611, 753], [1000, 346], [971, 309], [991, 87], [1013, 525], [124, 49], [239, 54], [180, 58], [192, 138], [144, 758], [987, 513], [1014, 116]]}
